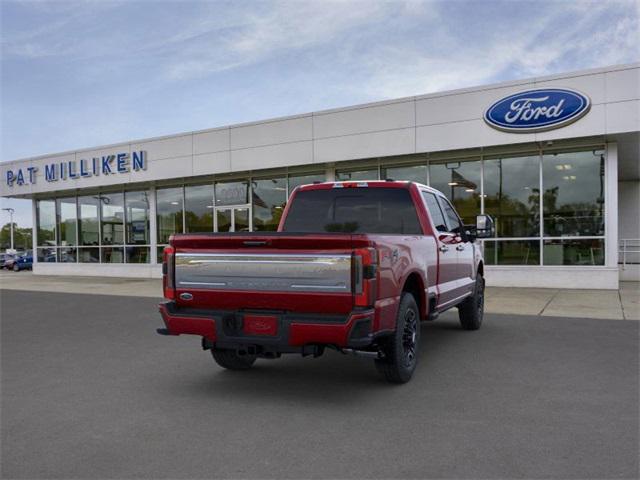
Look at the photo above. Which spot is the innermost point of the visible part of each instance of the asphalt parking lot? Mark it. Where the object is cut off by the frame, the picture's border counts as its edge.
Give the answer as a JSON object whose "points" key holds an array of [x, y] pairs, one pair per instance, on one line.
{"points": [[90, 391]]}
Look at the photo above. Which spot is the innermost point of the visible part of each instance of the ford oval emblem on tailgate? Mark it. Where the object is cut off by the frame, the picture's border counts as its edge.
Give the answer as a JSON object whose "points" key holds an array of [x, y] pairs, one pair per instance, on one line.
{"points": [[186, 296]]}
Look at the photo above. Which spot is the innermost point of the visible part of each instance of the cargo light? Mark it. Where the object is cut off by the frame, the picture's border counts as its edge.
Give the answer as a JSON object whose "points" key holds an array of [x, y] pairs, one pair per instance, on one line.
{"points": [[168, 271], [365, 276]]}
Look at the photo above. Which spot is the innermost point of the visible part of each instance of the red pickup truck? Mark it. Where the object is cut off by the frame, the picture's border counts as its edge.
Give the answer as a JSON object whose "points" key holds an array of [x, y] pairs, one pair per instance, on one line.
{"points": [[354, 266]]}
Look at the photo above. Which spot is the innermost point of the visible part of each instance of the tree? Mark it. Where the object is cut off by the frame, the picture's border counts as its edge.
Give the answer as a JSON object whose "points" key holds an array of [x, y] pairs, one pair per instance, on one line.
{"points": [[21, 237]]}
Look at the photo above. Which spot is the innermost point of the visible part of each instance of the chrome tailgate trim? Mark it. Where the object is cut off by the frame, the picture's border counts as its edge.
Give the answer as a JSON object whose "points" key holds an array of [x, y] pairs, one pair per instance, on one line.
{"points": [[264, 272]]}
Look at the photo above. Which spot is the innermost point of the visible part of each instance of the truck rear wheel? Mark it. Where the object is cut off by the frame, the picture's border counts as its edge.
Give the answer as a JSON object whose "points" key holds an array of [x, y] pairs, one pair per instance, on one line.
{"points": [[401, 349], [471, 310], [230, 359]]}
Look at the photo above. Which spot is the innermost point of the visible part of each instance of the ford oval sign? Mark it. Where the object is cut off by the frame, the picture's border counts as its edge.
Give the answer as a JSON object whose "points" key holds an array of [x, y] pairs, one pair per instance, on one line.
{"points": [[537, 110]]}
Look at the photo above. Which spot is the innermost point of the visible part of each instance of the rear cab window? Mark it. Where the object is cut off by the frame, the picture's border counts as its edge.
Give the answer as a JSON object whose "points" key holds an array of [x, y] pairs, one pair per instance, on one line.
{"points": [[353, 210]]}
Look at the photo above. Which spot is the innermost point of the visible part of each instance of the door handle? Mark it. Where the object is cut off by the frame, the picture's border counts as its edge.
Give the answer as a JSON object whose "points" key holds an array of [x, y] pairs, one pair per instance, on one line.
{"points": [[460, 248], [443, 248]]}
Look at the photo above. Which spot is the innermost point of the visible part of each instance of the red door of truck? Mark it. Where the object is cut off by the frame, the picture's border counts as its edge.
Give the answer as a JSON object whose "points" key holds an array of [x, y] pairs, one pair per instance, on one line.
{"points": [[447, 279], [463, 248]]}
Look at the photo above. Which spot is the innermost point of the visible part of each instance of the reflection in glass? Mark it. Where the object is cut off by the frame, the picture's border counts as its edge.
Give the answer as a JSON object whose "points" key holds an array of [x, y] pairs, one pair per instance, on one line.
{"points": [[67, 255], [269, 197], [169, 212], [112, 205], [137, 217], [357, 175], [512, 195], [89, 255], [573, 198], [88, 220], [223, 216], [512, 252], [297, 180], [46, 218], [198, 208], [413, 173], [159, 252], [241, 219], [67, 212], [460, 182], [137, 254], [46, 254], [232, 193], [112, 255], [574, 252]]}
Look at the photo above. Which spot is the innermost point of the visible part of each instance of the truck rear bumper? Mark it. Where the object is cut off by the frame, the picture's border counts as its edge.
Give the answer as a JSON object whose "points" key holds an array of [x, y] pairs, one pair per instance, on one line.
{"points": [[274, 331]]}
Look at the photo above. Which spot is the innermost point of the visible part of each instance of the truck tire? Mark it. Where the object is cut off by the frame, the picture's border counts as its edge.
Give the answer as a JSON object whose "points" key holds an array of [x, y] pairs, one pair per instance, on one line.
{"points": [[16, 268], [230, 359], [401, 349], [471, 310]]}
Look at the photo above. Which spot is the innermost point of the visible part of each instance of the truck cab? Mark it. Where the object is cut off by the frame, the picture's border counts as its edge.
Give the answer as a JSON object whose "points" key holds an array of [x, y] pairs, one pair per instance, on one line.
{"points": [[354, 266]]}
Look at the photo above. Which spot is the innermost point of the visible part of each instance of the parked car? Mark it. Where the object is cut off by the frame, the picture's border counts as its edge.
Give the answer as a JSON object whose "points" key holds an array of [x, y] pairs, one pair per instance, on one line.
{"points": [[354, 266], [23, 262], [7, 262]]}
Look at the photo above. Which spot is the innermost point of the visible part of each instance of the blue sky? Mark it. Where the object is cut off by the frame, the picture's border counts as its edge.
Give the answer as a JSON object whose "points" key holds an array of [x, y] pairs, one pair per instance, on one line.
{"points": [[80, 74]]}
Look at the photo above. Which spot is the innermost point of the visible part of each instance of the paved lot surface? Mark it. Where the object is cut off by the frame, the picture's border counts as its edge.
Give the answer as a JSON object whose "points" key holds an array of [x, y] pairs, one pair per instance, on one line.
{"points": [[90, 391], [614, 305]]}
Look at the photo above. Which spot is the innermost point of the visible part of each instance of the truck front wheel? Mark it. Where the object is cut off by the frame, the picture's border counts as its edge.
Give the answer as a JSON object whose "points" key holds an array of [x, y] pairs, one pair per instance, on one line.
{"points": [[230, 359], [471, 310], [401, 349]]}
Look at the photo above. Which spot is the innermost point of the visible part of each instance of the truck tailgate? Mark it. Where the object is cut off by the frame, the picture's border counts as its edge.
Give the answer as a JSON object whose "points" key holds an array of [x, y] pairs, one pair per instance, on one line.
{"points": [[279, 271]]}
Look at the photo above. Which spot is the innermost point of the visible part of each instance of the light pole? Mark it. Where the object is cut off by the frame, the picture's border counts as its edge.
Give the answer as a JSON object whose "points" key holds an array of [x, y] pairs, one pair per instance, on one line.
{"points": [[11, 212]]}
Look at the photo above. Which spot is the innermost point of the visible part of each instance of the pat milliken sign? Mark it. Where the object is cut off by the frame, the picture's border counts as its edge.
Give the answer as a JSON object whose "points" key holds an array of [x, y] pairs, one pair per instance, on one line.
{"points": [[117, 163], [537, 110]]}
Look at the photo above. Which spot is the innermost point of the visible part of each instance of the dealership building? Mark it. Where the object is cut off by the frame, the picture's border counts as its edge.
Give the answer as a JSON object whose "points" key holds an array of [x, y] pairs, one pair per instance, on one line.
{"points": [[555, 160]]}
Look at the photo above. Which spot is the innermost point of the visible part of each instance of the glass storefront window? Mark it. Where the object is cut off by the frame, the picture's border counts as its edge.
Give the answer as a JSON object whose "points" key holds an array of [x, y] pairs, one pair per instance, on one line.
{"points": [[112, 218], [232, 193], [137, 254], [88, 227], [46, 218], [137, 218], [512, 252], [67, 221], [413, 173], [169, 208], [512, 195], [460, 182], [297, 180], [269, 197], [89, 255], [46, 255], [112, 254], [574, 252], [573, 198], [159, 253], [198, 208], [370, 173], [67, 255]]}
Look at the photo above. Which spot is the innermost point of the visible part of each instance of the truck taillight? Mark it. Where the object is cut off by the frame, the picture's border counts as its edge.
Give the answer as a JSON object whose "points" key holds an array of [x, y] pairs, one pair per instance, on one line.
{"points": [[365, 276], [168, 268]]}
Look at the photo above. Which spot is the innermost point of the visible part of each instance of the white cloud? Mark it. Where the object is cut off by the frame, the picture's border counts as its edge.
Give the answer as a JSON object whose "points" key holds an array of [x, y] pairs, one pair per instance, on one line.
{"points": [[526, 47], [287, 26]]}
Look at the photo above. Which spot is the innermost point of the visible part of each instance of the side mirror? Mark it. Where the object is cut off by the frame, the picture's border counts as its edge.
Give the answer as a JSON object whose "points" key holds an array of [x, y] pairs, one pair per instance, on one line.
{"points": [[484, 227]]}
